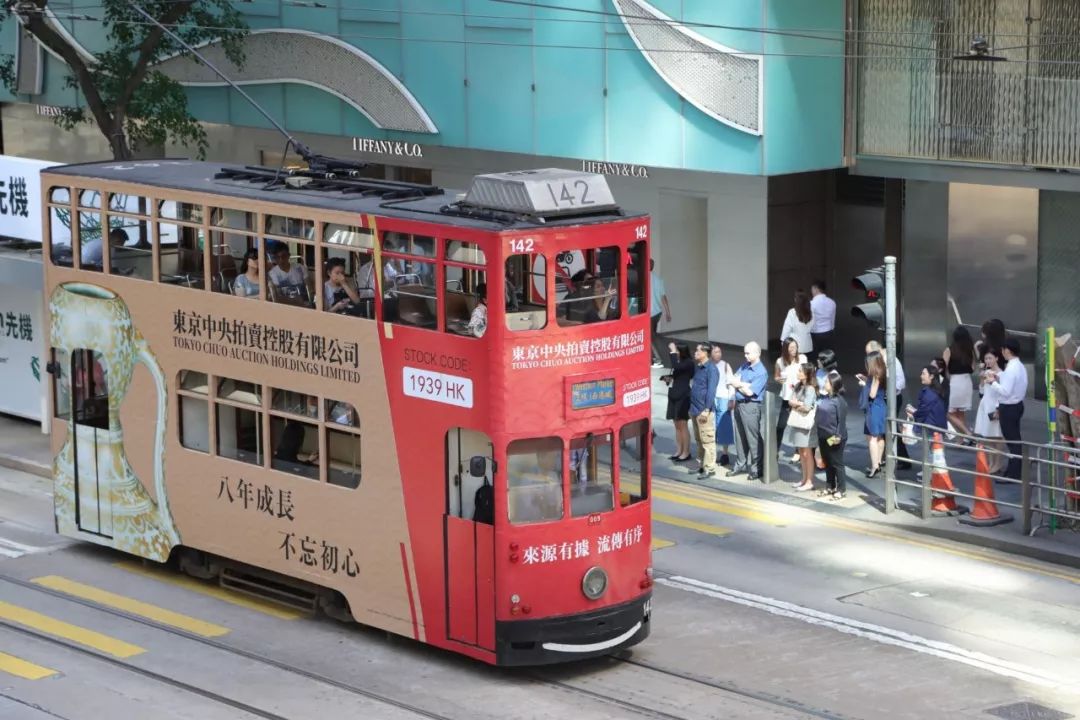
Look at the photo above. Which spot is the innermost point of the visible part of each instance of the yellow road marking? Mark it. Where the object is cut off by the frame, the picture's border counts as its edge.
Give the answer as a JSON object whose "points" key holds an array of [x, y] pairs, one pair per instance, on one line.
{"points": [[59, 628], [214, 591], [691, 525], [658, 544], [697, 495], [130, 605], [21, 668], [720, 505]]}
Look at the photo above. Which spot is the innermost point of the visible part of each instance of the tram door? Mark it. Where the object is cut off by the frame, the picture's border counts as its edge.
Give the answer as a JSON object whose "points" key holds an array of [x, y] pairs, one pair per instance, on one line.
{"points": [[470, 538], [90, 441]]}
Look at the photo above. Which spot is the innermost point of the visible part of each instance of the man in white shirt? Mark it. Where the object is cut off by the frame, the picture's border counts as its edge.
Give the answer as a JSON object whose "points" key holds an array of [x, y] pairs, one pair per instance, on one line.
{"points": [[658, 303], [823, 308], [1011, 386]]}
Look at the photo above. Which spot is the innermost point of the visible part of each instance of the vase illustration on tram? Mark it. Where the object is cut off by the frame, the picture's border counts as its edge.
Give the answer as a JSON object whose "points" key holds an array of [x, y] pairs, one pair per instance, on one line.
{"points": [[98, 495]]}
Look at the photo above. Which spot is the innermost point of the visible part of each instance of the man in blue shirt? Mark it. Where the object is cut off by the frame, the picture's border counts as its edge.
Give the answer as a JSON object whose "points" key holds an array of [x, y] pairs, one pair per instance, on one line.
{"points": [[749, 384], [702, 401]]}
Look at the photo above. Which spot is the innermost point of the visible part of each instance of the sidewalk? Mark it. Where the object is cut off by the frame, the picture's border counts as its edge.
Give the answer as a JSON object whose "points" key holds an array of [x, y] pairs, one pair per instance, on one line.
{"points": [[865, 497], [24, 447]]}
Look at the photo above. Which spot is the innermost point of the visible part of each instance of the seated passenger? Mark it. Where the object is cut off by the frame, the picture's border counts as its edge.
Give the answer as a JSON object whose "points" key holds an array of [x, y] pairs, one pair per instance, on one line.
{"points": [[343, 413], [92, 253], [365, 279], [290, 443], [284, 274], [603, 303], [339, 295], [246, 284], [479, 319]]}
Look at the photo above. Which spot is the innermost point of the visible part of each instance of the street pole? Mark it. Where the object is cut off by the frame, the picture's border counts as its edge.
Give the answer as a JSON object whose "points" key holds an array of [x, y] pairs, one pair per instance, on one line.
{"points": [[890, 382]]}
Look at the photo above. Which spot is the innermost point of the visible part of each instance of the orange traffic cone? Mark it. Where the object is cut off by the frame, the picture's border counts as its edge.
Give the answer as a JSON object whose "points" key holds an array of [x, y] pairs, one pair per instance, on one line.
{"points": [[985, 511], [941, 483]]}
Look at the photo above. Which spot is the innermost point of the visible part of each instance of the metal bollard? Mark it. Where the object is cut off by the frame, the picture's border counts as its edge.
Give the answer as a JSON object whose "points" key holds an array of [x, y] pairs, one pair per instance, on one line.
{"points": [[770, 470], [890, 468], [1025, 488], [927, 471]]}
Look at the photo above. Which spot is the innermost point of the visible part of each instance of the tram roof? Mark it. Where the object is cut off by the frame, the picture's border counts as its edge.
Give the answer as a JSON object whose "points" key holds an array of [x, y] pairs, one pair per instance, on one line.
{"points": [[200, 176]]}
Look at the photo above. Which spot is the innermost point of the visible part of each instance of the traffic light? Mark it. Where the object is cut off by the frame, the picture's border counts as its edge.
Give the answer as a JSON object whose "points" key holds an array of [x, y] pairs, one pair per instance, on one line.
{"points": [[872, 283]]}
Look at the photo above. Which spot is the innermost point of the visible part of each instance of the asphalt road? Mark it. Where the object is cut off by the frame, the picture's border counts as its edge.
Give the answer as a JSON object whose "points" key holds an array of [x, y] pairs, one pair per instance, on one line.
{"points": [[761, 611]]}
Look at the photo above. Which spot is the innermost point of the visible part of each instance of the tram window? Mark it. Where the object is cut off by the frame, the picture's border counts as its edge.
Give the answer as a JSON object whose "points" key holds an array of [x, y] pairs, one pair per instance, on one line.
{"points": [[343, 458], [180, 250], [89, 389], [591, 483], [534, 480], [194, 382], [464, 252], [195, 423], [130, 248], [129, 204], [239, 434], [636, 272], [290, 281], [348, 236], [60, 195], [61, 384], [295, 447], [295, 403], [592, 292], [187, 212], [462, 445], [464, 287], [90, 250], [232, 219], [227, 260], [525, 292], [633, 457], [341, 413], [60, 236], [290, 227], [409, 293], [343, 272], [90, 199], [409, 244], [239, 391]]}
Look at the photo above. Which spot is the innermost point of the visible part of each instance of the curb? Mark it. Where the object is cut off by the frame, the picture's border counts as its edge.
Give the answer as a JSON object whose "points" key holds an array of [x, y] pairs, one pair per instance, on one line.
{"points": [[762, 492], [31, 467]]}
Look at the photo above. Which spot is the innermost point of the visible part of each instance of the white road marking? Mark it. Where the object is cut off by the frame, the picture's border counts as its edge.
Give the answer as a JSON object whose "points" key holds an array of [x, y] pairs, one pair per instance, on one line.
{"points": [[12, 549], [869, 631]]}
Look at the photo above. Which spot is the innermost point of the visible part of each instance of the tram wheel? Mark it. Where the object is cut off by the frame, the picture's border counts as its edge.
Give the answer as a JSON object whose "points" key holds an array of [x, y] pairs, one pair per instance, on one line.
{"points": [[334, 605], [198, 565]]}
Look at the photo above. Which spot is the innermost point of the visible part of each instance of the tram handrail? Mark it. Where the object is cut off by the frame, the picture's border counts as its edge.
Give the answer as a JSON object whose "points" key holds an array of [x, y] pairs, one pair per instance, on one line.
{"points": [[1044, 489]]}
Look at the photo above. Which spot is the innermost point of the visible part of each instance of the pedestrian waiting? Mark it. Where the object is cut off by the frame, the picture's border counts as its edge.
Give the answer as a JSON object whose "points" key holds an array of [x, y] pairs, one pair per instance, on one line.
{"points": [[801, 432], [831, 419], [725, 406], [702, 402], [678, 404], [749, 385]]}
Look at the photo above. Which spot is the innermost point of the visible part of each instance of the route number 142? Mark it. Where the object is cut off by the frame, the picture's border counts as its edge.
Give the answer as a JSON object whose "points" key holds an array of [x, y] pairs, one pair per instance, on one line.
{"points": [[521, 245]]}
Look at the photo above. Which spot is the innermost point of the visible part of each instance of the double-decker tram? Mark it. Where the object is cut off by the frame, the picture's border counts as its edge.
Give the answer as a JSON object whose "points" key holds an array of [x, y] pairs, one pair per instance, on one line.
{"points": [[425, 411]]}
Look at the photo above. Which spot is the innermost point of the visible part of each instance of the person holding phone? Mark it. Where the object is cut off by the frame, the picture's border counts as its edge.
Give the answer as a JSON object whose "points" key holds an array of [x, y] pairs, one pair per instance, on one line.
{"points": [[987, 424]]}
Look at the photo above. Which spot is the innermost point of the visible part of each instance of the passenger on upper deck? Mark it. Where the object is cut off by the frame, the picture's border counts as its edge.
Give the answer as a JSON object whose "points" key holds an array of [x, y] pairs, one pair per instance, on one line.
{"points": [[339, 295], [510, 290], [479, 318], [246, 284], [365, 279], [604, 303], [284, 273]]}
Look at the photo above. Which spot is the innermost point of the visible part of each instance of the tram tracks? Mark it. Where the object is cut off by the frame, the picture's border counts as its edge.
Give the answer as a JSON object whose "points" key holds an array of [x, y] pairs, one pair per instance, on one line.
{"points": [[210, 695]]}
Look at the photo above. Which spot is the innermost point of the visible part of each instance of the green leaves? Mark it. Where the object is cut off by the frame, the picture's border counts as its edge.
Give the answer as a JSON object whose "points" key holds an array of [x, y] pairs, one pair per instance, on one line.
{"points": [[132, 104]]}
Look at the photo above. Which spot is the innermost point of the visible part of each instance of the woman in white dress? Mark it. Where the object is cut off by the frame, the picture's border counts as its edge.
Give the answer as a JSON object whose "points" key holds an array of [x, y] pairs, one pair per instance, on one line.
{"points": [[786, 372], [986, 417]]}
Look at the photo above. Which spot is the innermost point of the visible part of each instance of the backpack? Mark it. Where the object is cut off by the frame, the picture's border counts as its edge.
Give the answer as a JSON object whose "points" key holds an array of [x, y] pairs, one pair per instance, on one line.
{"points": [[484, 504]]}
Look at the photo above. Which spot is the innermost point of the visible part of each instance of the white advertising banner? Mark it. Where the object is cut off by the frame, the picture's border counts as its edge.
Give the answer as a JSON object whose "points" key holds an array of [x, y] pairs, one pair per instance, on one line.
{"points": [[22, 388], [20, 197]]}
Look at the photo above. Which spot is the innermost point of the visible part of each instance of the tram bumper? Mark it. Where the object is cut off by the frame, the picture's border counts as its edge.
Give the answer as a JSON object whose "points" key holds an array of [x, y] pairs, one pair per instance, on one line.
{"points": [[567, 638]]}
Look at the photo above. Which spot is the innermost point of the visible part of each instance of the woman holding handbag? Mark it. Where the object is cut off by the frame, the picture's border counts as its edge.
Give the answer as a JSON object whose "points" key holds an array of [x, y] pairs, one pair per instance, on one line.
{"points": [[801, 431]]}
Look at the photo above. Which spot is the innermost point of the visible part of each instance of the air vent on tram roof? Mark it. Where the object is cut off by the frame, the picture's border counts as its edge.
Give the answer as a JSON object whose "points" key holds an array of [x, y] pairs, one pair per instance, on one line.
{"points": [[549, 192]]}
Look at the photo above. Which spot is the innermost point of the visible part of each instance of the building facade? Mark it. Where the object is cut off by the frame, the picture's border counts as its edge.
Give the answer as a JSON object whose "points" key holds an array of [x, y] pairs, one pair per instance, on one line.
{"points": [[719, 119]]}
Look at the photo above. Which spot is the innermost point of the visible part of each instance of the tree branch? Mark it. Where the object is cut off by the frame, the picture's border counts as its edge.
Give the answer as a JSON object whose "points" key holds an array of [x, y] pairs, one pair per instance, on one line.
{"points": [[51, 39], [147, 50]]}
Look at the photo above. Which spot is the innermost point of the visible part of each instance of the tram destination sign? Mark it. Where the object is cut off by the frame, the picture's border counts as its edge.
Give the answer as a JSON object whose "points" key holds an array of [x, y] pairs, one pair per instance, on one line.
{"points": [[592, 394]]}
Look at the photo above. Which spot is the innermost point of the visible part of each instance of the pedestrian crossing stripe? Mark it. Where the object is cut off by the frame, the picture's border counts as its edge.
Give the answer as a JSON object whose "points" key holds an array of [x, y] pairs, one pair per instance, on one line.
{"points": [[701, 527], [22, 668], [58, 628], [658, 544], [132, 606]]}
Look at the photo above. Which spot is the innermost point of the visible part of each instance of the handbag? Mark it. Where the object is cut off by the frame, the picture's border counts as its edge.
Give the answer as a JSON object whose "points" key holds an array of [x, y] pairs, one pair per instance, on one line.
{"points": [[802, 421]]}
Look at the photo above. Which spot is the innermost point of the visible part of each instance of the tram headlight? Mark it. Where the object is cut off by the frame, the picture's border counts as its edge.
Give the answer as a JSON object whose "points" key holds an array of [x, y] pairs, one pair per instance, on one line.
{"points": [[595, 583]]}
